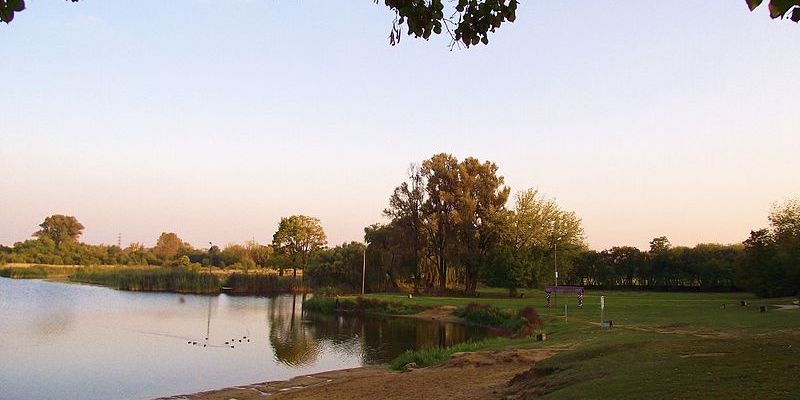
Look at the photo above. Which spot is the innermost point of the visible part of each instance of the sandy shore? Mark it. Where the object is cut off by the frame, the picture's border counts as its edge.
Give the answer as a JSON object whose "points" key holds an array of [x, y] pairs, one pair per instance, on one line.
{"points": [[479, 375]]}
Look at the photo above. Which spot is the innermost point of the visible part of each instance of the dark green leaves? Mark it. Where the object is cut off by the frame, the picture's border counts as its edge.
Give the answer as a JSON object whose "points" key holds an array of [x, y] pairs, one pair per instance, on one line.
{"points": [[779, 8], [9, 7], [469, 23], [753, 4]]}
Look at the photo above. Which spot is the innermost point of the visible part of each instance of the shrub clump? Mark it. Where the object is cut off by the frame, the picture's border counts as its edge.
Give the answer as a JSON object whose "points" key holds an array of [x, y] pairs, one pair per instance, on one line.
{"points": [[436, 355], [523, 322]]}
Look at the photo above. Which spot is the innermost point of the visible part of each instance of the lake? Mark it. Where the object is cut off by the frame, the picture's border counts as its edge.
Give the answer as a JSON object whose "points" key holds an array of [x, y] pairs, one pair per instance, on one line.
{"points": [[70, 341]]}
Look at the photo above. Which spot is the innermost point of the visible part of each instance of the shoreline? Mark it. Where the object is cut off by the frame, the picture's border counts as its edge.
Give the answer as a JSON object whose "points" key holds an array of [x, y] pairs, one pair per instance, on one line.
{"points": [[499, 368], [482, 374]]}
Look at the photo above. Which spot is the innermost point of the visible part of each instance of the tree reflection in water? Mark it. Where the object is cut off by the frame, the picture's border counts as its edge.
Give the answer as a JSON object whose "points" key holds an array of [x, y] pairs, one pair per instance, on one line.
{"points": [[294, 343], [297, 337]]}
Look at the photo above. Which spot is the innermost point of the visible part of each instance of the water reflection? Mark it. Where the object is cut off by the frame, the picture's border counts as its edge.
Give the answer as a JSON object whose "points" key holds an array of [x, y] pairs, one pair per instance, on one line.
{"points": [[293, 343], [62, 341], [297, 337]]}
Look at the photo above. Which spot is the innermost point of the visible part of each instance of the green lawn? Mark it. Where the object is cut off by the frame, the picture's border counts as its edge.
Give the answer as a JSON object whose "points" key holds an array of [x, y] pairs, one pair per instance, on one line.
{"points": [[663, 345]]}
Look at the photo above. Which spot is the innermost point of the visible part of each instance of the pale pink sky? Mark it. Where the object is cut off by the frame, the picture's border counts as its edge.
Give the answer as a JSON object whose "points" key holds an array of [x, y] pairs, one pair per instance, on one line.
{"points": [[214, 126]]}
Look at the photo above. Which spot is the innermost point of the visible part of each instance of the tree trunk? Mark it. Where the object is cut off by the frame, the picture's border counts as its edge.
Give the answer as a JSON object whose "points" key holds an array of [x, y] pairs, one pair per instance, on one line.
{"points": [[442, 272]]}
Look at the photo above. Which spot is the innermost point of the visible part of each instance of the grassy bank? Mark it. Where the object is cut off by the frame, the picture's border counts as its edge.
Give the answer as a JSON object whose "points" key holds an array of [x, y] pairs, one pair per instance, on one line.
{"points": [[368, 305], [178, 280], [663, 345], [436, 355]]}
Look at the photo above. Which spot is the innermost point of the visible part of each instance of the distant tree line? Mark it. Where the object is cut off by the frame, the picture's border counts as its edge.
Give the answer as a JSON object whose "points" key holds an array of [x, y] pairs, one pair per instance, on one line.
{"points": [[57, 243], [450, 228], [707, 267], [767, 263]]}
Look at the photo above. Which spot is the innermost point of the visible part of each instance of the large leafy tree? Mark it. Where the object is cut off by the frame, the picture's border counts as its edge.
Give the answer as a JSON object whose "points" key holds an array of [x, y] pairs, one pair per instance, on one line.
{"points": [[391, 254], [537, 228], [60, 228], [168, 245], [338, 267], [440, 173], [297, 238], [480, 212], [405, 211]]}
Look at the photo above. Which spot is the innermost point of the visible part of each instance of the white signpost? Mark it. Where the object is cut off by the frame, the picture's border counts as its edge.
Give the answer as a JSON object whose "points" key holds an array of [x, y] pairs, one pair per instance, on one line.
{"points": [[602, 308]]}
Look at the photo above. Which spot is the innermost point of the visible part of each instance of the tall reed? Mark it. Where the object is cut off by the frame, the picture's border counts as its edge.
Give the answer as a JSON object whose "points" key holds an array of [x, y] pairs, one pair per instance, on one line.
{"points": [[178, 280], [35, 272]]}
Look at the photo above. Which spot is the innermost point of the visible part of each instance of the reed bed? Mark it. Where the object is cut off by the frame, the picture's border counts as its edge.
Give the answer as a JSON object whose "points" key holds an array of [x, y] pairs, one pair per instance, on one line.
{"points": [[35, 272], [178, 280]]}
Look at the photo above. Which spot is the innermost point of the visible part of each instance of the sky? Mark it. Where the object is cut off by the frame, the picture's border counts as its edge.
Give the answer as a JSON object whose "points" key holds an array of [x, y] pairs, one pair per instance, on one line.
{"points": [[212, 121]]}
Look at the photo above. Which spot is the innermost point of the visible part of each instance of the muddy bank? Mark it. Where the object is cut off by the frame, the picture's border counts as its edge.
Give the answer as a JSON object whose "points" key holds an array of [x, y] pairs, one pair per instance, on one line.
{"points": [[479, 375], [440, 314]]}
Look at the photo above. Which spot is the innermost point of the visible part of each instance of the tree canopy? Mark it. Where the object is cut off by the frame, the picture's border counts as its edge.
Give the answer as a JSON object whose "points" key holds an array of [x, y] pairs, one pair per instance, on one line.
{"points": [[60, 229], [298, 237], [450, 226], [168, 245]]}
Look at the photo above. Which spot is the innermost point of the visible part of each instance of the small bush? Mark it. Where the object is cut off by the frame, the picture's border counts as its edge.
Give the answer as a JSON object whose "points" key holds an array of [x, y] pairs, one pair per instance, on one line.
{"points": [[436, 355], [486, 315], [522, 323]]}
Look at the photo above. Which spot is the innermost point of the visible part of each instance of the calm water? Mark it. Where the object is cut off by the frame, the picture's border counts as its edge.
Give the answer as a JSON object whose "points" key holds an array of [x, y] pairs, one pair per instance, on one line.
{"points": [[65, 341]]}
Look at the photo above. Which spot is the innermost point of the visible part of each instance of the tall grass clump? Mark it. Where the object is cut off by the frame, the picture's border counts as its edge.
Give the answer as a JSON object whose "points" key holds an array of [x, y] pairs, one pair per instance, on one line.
{"points": [[524, 321], [361, 305], [436, 355], [178, 280], [325, 305], [263, 284], [35, 272]]}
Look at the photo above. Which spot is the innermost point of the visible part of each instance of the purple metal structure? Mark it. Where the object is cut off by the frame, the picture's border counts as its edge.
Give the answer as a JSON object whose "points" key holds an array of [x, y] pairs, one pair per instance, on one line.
{"points": [[578, 290]]}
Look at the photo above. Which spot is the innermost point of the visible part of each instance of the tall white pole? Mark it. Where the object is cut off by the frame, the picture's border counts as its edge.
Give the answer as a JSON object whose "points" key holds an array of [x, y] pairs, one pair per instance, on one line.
{"points": [[555, 267], [364, 270]]}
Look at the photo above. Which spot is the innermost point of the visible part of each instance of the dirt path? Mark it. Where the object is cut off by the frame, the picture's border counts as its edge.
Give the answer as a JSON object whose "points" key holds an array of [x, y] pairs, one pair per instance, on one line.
{"points": [[442, 314], [480, 375]]}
